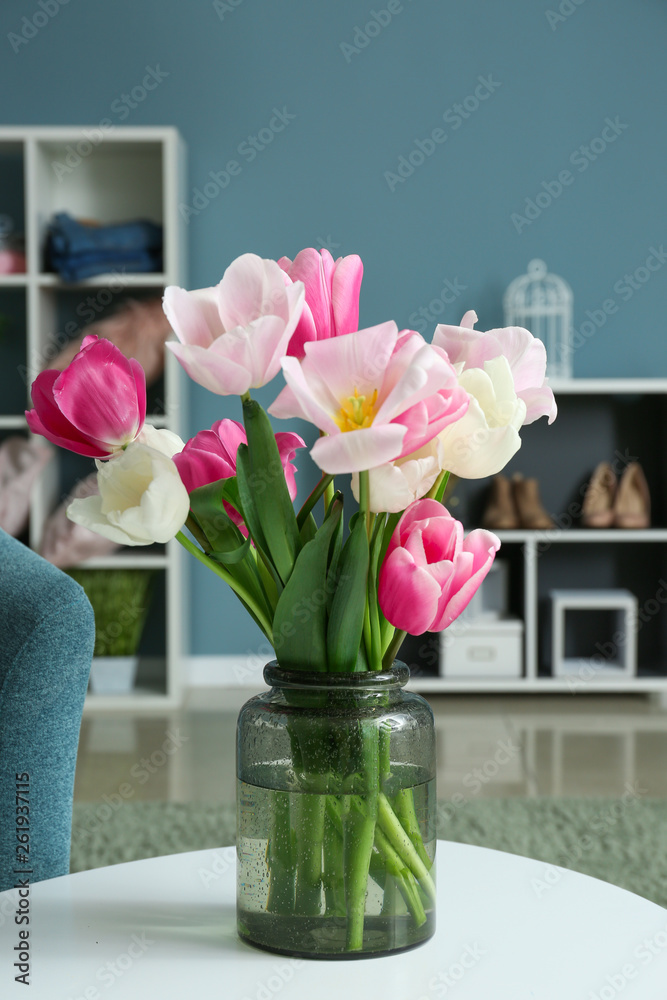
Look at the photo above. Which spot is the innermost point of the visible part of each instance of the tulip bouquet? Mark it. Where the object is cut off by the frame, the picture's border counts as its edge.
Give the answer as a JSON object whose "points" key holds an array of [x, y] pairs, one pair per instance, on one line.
{"points": [[394, 413]]}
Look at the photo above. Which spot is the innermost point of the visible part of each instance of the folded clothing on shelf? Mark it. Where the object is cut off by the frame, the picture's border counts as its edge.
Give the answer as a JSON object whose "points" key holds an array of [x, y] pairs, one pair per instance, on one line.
{"points": [[65, 543], [139, 329], [21, 461], [78, 250]]}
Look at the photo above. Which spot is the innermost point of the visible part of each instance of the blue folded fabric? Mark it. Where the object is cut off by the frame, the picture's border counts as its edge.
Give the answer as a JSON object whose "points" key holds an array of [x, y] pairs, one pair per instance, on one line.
{"points": [[88, 265], [78, 251]]}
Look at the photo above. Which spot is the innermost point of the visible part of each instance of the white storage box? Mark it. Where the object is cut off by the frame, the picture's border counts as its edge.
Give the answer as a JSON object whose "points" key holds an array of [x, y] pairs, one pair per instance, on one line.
{"points": [[489, 649], [616, 651], [490, 600]]}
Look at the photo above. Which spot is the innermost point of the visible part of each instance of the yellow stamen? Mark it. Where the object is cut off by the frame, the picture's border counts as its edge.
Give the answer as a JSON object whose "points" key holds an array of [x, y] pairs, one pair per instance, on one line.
{"points": [[357, 411]]}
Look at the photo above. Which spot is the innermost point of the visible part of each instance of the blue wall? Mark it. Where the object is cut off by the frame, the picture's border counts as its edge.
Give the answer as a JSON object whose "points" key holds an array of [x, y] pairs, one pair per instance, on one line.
{"points": [[553, 80]]}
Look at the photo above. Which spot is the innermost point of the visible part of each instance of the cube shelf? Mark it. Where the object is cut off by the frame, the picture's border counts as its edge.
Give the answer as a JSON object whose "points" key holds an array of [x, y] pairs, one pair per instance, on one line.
{"points": [[132, 173], [617, 420]]}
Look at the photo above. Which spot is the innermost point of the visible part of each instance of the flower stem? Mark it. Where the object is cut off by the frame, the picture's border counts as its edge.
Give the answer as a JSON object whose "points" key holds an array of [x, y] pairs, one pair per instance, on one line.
{"points": [[392, 649], [225, 575], [324, 486], [437, 491], [399, 840], [404, 807]]}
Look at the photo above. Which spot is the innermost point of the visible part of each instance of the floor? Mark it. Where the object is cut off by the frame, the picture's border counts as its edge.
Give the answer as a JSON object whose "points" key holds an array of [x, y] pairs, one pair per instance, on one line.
{"points": [[487, 746]]}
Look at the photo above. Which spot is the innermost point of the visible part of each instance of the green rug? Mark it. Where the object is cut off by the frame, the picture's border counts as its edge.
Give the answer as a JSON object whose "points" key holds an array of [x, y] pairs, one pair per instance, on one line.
{"points": [[621, 842]]}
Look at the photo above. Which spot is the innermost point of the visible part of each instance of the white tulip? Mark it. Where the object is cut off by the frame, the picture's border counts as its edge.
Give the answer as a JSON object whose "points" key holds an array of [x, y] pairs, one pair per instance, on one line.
{"points": [[161, 439], [142, 498], [483, 441], [394, 486]]}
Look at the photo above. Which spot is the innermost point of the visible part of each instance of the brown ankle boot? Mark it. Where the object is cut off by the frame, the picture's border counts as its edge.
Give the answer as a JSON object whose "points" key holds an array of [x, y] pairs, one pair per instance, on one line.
{"points": [[500, 513], [633, 503], [598, 507], [528, 504]]}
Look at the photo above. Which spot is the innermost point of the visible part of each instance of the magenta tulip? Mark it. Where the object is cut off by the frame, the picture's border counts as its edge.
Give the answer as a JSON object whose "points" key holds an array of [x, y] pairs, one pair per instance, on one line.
{"points": [[430, 571], [211, 455], [96, 406], [332, 295]]}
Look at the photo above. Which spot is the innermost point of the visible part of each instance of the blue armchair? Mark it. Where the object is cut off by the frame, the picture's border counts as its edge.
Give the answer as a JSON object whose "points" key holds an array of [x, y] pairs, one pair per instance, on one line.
{"points": [[47, 634]]}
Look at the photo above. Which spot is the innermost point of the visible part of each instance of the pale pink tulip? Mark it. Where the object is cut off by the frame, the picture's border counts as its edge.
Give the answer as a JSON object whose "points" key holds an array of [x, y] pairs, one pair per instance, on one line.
{"points": [[430, 571], [96, 406], [234, 336], [376, 394], [526, 356], [332, 295]]}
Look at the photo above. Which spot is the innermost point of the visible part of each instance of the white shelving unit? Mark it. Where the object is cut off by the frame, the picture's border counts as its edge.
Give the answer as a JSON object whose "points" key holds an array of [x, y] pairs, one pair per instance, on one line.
{"points": [[629, 418], [132, 173]]}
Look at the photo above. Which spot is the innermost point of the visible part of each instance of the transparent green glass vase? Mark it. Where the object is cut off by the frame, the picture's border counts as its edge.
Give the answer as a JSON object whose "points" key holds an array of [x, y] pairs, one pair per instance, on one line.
{"points": [[336, 815]]}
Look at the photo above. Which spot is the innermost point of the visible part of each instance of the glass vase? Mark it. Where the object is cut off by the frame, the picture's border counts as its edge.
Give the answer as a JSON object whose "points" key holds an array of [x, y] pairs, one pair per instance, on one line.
{"points": [[336, 815]]}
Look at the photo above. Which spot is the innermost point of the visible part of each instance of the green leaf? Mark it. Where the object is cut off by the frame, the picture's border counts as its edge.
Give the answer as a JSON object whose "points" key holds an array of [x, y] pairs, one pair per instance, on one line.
{"points": [[346, 620], [270, 496], [300, 621], [227, 545], [221, 533]]}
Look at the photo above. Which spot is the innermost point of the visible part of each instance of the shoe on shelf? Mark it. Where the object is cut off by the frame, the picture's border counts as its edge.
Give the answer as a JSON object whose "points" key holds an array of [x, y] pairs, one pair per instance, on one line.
{"points": [[633, 502], [528, 504], [500, 513], [598, 506]]}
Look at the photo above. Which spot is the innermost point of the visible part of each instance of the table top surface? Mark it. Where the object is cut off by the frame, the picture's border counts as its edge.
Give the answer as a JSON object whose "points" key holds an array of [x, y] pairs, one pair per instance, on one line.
{"points": [[508, 928]]}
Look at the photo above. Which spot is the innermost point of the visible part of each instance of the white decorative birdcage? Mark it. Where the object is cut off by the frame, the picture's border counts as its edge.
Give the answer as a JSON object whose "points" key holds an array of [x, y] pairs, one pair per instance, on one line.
{"points": [[542, 303]]}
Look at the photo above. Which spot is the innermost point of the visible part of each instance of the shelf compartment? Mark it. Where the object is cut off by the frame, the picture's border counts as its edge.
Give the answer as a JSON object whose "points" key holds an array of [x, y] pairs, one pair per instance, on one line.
{"points": [[13, 336], [12, 188], [116, 182]]}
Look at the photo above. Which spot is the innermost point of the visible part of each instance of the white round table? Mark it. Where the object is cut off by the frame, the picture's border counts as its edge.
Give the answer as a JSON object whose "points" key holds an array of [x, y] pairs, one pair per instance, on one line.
{"points": [[508, 928]]}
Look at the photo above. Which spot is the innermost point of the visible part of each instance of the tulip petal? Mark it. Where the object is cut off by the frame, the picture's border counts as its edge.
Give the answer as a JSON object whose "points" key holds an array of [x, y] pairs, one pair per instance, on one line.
{"points": [[213, 372], [407, 594], [346, 287], [82, 393], [47, 420], [356, 450], [193, 316]]}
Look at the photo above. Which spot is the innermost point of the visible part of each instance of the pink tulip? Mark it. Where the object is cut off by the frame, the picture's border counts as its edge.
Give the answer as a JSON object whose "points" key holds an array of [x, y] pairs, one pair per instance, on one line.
{"points": [[377, 395], [332, 295], [233, 337], [430, 571], [96, 406], [526, 355], [211, 455]]}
